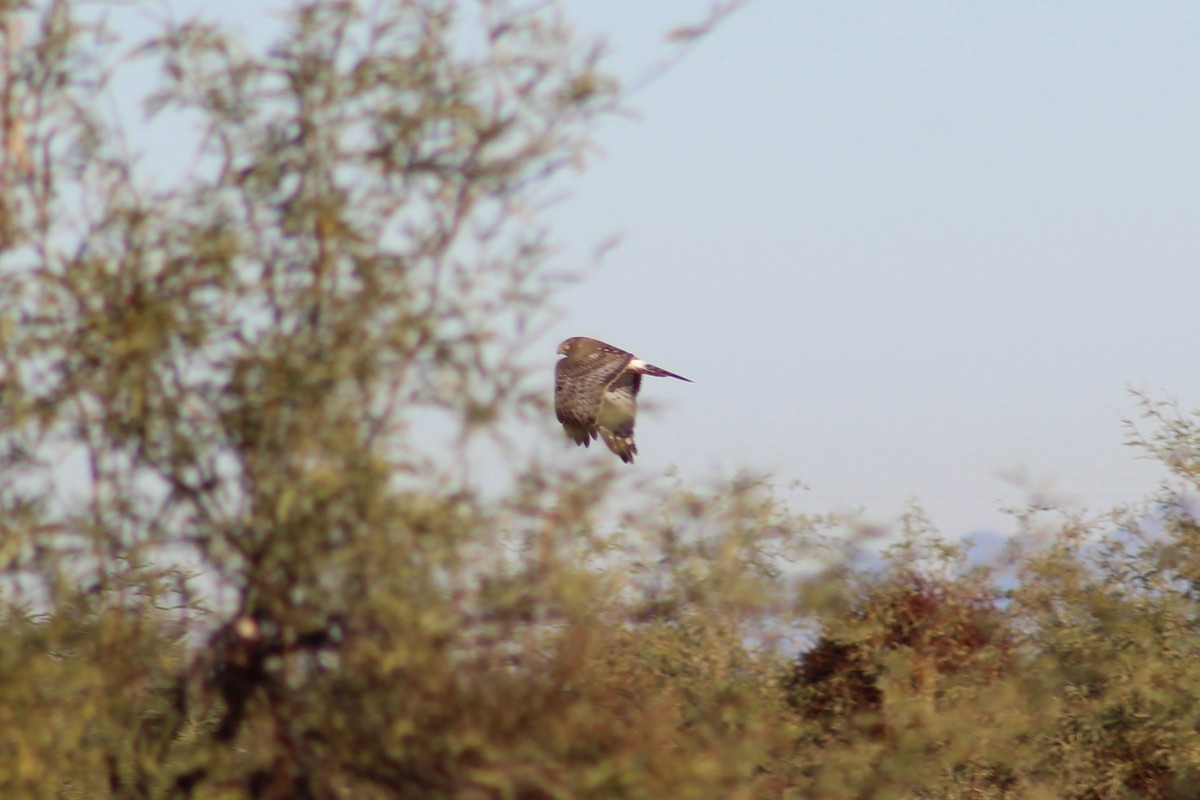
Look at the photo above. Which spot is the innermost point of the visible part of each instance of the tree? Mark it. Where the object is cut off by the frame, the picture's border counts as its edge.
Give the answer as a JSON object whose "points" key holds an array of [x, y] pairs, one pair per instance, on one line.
{"points": [[227, 371]]}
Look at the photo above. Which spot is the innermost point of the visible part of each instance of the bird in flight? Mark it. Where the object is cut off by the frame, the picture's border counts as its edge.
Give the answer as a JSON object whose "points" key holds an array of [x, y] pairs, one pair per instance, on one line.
{"points": [[595, 393]]}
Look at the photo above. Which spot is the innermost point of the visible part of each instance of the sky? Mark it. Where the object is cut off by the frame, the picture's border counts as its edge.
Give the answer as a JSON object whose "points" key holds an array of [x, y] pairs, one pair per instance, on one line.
{"points": [[908, 252]]}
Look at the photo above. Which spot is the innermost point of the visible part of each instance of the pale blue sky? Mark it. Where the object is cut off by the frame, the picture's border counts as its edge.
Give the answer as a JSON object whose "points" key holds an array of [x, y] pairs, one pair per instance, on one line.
{"points": [[903, 249]]}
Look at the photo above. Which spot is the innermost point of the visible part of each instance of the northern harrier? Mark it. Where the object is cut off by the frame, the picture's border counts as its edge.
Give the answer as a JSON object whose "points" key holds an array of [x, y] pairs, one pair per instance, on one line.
{"points": [[595, 393]]}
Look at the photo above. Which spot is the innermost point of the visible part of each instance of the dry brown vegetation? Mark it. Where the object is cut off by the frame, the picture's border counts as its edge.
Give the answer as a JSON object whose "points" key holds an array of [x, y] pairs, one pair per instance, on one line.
{"points": [[234, 371]]}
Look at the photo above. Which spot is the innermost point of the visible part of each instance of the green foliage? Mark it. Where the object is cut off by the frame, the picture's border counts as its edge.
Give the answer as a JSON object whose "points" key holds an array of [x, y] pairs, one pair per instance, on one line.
{"points": [[235, 563]]}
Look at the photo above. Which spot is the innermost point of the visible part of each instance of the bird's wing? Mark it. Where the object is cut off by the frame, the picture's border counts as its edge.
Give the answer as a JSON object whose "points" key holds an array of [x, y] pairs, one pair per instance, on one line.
{"points": [[637, 365], [579, 384], [618, 413]]}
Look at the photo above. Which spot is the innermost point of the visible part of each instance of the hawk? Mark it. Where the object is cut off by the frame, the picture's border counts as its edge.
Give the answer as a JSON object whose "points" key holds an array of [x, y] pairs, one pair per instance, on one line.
{"points": [[595, 393]]}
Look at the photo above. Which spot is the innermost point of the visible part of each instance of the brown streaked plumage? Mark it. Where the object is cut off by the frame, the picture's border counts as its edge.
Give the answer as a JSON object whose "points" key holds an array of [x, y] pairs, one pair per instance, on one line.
{"points": [[595, 393]]}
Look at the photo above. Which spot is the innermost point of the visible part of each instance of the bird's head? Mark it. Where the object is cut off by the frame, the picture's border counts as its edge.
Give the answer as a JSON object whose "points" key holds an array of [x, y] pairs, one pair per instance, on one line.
{"points": [[580, 347]]}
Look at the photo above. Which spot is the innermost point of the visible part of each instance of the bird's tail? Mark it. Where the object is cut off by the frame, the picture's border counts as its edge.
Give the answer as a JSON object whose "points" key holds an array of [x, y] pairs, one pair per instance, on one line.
{"points": [[620, 444]]}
